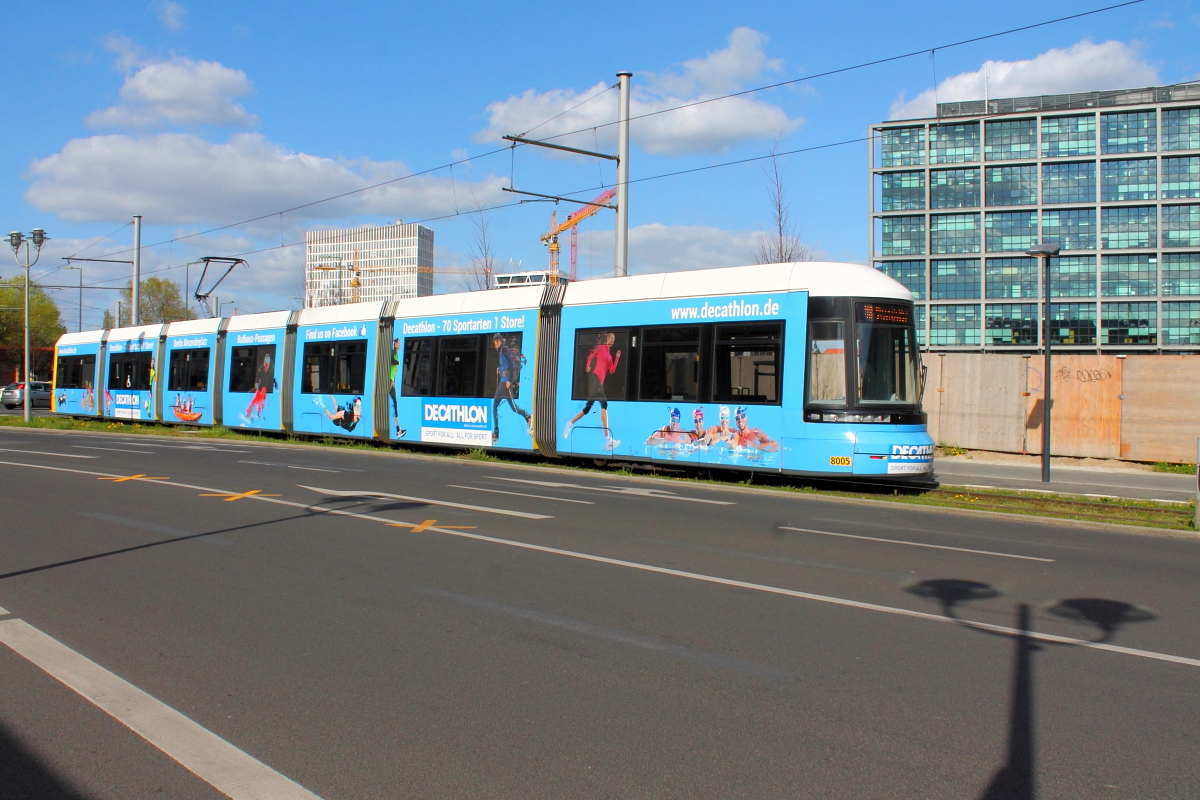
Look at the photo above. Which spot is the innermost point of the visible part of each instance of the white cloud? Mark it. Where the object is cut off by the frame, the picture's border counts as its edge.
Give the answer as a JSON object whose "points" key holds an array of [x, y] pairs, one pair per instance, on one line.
{"points": [[176, 92], [1083, 67], [710, 128], [170, 14], [671, 248], [179, 178]]}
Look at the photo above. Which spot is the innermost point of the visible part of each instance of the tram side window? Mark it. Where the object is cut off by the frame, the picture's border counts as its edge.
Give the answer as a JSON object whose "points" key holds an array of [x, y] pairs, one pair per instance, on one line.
{"points": [[458, 366], [601, 364], [337, 368], [670, 363], [418, 367], [75, 372], [188, 370], [130, 371], [826, 362], [252, 368], [747, 363], [509, 351]]}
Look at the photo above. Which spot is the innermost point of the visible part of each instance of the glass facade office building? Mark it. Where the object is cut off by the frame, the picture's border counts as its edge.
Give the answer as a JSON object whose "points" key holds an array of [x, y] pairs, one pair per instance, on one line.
{"points": [[1112, 177], [360, 265]]}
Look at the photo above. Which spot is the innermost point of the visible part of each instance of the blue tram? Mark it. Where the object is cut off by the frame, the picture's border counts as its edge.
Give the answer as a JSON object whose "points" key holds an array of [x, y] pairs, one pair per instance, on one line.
{"points": [[807, 368]]}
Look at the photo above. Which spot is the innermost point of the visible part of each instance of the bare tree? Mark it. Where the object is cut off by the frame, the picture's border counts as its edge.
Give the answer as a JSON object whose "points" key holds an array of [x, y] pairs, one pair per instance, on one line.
{"points": [[482, 265], [782, 243]]}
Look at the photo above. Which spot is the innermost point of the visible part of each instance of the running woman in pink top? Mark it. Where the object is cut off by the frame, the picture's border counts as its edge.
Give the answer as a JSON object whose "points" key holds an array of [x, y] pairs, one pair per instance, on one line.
{"points": [[599, 365]]}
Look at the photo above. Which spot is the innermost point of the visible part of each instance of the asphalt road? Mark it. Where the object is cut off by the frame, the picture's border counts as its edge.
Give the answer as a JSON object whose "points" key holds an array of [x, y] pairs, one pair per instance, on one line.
{"points": [[351, 624], [1068, 480]]}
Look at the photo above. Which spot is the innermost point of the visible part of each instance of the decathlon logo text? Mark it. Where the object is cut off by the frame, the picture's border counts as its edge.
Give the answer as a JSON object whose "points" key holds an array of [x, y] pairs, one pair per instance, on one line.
{"points": [[912, 452], [448, 413]]}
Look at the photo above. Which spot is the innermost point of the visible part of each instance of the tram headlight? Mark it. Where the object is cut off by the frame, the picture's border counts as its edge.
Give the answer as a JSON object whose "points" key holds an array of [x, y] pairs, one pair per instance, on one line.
{"points": [[849, 416]]}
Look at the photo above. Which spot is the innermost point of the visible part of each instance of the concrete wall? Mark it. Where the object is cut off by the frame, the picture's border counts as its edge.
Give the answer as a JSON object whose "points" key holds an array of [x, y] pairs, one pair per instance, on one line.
{"points": [[1142, 408]]}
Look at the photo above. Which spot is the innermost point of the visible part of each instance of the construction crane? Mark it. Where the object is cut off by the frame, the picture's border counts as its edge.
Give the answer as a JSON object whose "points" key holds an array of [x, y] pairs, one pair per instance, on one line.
{"points": [[550, 237], [356, 271]]}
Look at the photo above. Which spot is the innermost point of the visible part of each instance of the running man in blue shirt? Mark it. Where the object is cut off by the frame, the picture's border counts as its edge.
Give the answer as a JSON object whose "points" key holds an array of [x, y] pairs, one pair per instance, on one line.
{"points": [[508, 373]]}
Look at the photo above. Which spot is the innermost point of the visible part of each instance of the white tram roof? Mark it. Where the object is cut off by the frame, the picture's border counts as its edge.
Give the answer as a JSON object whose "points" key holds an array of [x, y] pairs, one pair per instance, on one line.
{"points": [[83, 337], [135, 333], [518, 297], [187, 326], [258, 322], [818, 278], [348, 312]]}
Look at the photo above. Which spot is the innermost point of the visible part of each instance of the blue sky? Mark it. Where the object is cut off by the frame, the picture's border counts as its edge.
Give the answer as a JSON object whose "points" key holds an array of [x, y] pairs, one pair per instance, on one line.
{"points": [[199, 115]]}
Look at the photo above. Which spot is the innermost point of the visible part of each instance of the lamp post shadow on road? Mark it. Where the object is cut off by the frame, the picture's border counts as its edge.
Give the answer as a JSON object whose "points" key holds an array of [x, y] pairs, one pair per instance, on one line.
{"points": [[1016, 779]]}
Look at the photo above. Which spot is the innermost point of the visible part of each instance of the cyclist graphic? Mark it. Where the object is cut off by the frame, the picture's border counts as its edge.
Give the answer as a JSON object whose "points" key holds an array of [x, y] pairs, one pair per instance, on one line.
{"points": [[601, 363], [508, 373]]}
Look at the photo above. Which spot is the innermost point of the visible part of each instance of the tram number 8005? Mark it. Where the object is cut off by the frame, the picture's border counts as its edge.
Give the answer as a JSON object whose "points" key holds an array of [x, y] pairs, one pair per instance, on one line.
{"points": [[839, 461]]}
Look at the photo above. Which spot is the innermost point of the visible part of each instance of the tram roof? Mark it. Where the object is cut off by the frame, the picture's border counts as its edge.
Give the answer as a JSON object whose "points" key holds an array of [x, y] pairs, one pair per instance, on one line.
{"points": [[258, 322], [818, 278], [82, 337], [184, 327]]}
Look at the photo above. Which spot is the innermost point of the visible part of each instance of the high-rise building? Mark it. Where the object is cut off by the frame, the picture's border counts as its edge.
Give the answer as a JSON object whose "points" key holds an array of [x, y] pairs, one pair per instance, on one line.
{"points": [[1112, 177], [358, 265]]}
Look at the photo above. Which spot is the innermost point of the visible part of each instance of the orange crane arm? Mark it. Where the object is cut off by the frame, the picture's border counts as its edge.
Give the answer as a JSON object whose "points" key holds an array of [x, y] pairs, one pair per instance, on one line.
{"points": [[578, 216]]}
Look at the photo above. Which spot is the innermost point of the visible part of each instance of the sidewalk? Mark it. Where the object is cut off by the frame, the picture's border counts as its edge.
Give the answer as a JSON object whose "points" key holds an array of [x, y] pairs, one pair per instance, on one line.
{"points": [[1067, 475]]}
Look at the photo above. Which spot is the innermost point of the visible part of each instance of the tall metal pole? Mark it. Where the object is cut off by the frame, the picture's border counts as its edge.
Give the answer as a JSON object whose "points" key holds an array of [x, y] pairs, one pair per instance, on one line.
{"points": [[28, 388], [135, 306], [622, 232], [1045, 259]]}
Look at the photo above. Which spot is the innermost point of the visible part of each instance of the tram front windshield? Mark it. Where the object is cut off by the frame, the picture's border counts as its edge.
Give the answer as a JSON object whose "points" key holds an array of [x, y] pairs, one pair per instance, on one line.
{"points": [[887, 354]]}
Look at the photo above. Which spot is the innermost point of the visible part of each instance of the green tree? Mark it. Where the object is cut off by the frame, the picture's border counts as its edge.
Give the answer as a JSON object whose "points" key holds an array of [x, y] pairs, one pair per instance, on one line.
{"points": [[108, 323], [160, 300], [44, 326]]}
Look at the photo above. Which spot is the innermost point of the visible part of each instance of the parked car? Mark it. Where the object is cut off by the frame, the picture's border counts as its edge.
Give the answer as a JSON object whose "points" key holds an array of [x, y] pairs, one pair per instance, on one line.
{"points": [[12, 395]]}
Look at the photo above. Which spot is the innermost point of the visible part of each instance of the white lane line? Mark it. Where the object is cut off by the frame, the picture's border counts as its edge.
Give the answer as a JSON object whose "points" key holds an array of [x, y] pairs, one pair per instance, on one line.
{"points": [[228, 769], [190, 447], [43, 453], [114, 449], [758, 587], [447, 503], [917, 544], [521, 494], [629, 490], [295, 466]]}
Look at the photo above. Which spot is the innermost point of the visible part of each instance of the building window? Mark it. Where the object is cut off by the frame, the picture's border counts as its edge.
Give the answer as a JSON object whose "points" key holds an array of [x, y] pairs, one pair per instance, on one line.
{"points": [[1181, 323], [1135, 179], [1180, 177], [954, 188], [1128, 276], [1073, 276], [1071, 229], [1073, 182], [1011, 231], [954, 144], [1128, 323], [920, 325], [954, 279], [1005, 140], [954, 325], [903, 191], [909, 273], [1069, 136], [1011, 323], [954, 233], [1073, 323], [1181, 226], [1132, 132], [902, 147], [1012, 277], [1012, 186], [1128, 227], [1181, 129], [1181, 273], [903, 236]]}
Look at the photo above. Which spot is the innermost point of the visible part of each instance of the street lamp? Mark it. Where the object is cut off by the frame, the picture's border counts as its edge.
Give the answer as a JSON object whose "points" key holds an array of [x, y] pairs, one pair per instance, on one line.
{"points": [[16, 241], [1045, 252]]}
